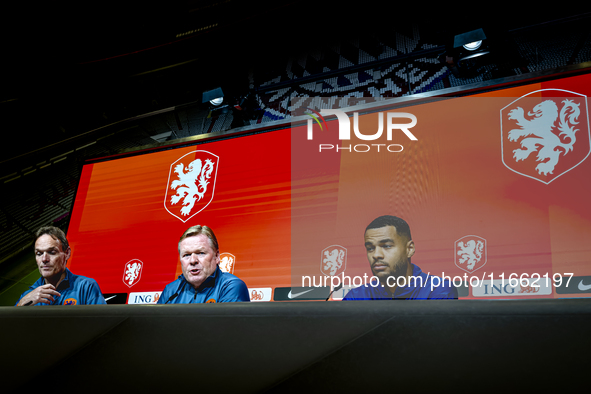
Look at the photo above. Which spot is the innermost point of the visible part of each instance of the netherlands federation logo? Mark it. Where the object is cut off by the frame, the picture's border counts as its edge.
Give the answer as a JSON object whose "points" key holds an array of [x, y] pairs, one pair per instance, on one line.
{"points": [[132, 272], [227, 262], [470, 253], [545, 137], [260, 293], [256, 295], [191, 183], [334, 260]]}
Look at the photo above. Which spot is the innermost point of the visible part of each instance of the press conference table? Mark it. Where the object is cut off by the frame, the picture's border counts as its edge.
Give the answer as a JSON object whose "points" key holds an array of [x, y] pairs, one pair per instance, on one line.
{"points": [[416, 346]]}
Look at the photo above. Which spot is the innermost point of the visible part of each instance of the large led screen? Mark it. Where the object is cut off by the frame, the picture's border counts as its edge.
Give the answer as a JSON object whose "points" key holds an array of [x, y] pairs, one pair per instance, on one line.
{"points": [[494, 186]]}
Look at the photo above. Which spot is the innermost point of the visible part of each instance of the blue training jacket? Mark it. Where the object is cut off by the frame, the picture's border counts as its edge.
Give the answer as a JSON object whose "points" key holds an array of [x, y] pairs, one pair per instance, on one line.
{"points": [[74, 290], [219, 287]]}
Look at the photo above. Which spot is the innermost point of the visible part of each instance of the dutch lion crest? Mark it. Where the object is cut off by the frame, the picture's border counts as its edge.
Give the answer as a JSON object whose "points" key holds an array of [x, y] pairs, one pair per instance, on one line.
{"points": [[132, 272], [538, 133], [470, 253], [544, 137], [334, 259], [227, 262], [191, 182]]}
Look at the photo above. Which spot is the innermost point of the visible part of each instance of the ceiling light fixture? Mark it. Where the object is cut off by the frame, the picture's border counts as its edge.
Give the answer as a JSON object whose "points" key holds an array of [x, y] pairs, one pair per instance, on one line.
{"points": [[472, 46], [214, 96]]}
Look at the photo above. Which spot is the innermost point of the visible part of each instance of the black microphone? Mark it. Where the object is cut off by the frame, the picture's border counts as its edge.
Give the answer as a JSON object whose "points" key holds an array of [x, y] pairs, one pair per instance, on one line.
{"points": [[172, 297], [339, 287], [175, 295]]}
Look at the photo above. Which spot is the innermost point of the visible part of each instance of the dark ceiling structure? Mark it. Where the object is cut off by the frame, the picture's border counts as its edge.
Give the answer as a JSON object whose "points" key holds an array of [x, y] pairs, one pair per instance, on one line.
{"points": [[70, 68]]}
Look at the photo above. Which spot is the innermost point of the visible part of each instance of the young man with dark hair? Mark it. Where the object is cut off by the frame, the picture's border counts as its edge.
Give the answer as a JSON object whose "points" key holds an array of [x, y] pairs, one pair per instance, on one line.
{"points": [[389, 247]]}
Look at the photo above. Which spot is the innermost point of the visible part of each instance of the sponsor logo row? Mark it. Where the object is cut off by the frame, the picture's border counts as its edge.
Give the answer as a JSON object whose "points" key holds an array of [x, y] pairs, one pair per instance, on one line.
{"points": [[486, 288], [152, 297], [257, 294]]}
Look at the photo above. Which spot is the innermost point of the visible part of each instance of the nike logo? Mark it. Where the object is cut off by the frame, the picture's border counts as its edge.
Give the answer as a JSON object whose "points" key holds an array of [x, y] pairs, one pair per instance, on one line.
{"points": [[583, 287], [292, 296], [107, 299]]}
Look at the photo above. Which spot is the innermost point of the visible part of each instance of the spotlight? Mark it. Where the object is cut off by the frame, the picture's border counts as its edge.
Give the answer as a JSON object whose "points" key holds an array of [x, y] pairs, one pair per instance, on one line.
{"points": [[214, 96], [217, 101], [472, 46], [460, 57], [472, 42]]}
